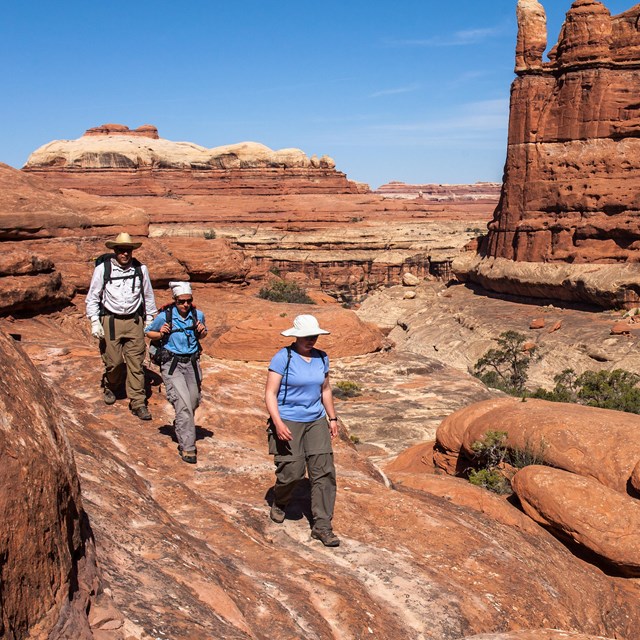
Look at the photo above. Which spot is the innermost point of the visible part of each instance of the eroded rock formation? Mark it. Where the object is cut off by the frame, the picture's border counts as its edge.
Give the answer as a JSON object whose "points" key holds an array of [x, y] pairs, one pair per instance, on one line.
{"points": [[113, 160], [47, 553], [588, 496], [570, 184]]}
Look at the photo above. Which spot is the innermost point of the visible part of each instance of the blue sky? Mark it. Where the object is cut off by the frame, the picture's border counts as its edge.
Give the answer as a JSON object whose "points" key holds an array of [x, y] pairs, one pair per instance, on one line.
{"points": [[410, 90]]}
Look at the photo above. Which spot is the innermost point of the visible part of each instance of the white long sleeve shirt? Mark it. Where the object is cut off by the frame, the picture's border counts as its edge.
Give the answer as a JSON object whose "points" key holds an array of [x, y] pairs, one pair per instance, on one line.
{"points": [[121, 296]]}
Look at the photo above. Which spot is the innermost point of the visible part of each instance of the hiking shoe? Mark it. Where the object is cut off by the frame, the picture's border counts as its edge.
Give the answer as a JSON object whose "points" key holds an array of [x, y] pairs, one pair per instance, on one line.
{"points": [[277, 513], [109, 396], [188, 456], [141, 412], [327, 537]]}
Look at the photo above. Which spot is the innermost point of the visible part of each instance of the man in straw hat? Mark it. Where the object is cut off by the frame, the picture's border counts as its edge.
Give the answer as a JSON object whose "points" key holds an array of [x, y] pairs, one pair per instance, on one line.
{"points": [[119, 303]]}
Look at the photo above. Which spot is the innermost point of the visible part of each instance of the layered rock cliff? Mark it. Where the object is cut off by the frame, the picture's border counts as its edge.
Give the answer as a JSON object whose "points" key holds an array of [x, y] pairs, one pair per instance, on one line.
{"points": [[570, 186], [113, 160]]}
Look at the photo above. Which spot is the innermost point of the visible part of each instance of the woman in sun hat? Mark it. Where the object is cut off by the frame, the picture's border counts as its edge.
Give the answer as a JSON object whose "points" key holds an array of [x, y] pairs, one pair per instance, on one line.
{"points": [[302, 424]]}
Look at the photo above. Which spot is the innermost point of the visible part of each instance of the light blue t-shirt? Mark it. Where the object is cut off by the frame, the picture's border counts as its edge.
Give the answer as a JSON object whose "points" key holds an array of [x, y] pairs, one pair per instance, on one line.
{"points": [[301, 384], [182, 339]]}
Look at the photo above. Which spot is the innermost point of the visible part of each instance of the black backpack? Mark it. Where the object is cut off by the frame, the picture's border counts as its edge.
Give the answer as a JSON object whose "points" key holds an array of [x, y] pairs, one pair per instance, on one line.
{"points": [[157, 352]]}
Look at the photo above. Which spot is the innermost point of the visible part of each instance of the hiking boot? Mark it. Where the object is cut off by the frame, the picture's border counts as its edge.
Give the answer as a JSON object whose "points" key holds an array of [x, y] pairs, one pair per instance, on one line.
{"points": [[327, 537], [277, 513], [109, 397], [141, 412], [188, 456]]}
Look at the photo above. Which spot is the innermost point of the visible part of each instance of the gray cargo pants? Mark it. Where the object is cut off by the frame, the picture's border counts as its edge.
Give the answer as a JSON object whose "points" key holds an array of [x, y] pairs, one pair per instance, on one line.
{"points": [[309, 450], [183, 393]]}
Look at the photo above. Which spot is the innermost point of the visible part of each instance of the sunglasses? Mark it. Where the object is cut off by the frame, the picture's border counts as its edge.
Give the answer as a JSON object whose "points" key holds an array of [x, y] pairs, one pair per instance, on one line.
{"points": [[122, 249], [187, 301]]}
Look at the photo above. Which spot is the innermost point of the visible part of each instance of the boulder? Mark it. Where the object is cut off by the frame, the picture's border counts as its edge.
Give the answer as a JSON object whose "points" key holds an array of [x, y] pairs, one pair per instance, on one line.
{"points": [[603, 521], [409, 280], [208, 260], [257, 337], [595, 443]]}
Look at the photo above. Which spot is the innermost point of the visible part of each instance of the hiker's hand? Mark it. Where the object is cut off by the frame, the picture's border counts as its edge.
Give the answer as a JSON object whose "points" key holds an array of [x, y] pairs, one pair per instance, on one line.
{"points": [[200, 328], [283, 433], [165, 329], [147, 322], [96, 328]]}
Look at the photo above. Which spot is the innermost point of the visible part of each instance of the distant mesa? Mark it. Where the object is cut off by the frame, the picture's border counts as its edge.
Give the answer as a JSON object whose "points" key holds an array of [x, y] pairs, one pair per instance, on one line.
{"points": [[114, 160], [145, 131], [477, 192], [570, 196]]}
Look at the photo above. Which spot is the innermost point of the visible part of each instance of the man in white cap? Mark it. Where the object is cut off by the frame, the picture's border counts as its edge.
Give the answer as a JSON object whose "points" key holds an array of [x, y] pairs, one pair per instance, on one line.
{"points": [[119, 303], [179, 327]]}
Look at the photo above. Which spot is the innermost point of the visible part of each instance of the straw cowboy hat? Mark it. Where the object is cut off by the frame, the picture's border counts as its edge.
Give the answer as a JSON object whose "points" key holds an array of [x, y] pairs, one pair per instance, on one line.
{"points": [[304, 326], [122, 240]]}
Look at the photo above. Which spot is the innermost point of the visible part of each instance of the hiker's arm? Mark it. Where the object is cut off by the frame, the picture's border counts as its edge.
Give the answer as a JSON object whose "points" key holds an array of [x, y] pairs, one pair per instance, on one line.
{"points": [[271, 400], [327, 402], [92, 300], [147, 292], [164, 330], [201, 329]]}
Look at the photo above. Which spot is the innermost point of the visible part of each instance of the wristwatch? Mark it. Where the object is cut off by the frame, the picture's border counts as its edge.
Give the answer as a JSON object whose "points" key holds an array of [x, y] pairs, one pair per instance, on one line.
{"points": [[333, 419]]}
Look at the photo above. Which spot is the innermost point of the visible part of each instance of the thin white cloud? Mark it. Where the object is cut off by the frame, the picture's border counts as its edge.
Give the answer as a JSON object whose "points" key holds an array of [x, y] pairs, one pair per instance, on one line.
{"points": [[391, 92], [472, 119], [456, 39]]}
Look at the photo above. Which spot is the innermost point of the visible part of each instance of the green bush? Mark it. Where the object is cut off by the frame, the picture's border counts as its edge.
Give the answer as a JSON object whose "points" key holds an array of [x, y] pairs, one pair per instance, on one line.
{"points": [[505, 368], [490, 479], [494, 459], [347, 389], [209, 234], [617, 389], [281, 291]]}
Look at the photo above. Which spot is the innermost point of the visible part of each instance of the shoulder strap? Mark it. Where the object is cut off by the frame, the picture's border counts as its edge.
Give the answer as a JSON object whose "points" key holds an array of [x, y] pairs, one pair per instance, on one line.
{"points": [[286, 372], [107, 272]]}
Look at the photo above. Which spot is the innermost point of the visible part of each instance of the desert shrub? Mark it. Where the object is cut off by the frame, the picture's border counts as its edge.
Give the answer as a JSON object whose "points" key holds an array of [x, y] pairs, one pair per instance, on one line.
{"points": [[531, 454], [347, 389], [617, 389], [565, 390], [495, 461], [505, 368], [209, 234], [281, 291], [490, 479]]}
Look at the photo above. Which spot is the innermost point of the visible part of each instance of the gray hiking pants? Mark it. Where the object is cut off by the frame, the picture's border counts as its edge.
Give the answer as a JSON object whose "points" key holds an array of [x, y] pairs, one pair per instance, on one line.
{"points": [[309, 450], [183, 393]]}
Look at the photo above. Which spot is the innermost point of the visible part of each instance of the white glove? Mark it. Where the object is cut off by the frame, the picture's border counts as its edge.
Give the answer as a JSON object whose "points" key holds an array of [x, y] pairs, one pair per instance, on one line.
{"points": [[96, 328]]}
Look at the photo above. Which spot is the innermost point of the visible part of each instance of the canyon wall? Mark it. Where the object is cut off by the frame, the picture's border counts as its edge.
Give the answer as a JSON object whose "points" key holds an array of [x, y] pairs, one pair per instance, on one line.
{"points": [[570, 192]]}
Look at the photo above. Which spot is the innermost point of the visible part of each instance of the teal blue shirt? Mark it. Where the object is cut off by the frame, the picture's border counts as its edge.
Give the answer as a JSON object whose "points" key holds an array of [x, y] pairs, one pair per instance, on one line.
{"points": [[182, 339]]}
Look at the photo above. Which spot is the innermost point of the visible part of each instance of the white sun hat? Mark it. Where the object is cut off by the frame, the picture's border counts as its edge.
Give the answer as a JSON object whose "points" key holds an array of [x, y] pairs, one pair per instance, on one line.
{"points": [[180, 288], [304, 326]]}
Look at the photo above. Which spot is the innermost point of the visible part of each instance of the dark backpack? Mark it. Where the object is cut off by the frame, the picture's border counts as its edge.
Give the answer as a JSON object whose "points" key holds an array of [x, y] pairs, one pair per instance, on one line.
{"points": [[157, 352], [105, 259]]}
